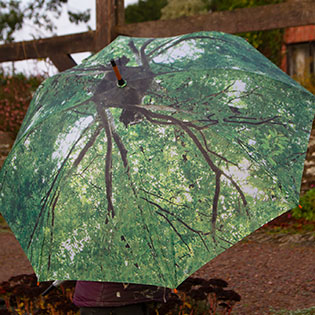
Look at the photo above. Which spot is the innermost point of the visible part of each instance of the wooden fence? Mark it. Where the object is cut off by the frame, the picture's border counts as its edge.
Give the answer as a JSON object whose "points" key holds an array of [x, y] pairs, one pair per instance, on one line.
{"points": [[110, 23]]}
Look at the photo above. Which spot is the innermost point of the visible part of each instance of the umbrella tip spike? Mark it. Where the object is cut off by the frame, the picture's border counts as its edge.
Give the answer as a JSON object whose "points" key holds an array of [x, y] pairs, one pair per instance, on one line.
{"points": [[121, 82]]}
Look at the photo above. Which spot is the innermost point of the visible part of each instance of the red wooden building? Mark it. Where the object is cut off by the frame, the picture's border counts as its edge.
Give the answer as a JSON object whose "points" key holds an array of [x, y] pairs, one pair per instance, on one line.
{"points": [[299, 50]]}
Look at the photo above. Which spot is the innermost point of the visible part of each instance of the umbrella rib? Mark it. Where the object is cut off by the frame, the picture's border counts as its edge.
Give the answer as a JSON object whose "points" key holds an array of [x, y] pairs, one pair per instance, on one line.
{"points": [[245, 147], [151, 244], [93, 69], [244, 94], [52, 228]]}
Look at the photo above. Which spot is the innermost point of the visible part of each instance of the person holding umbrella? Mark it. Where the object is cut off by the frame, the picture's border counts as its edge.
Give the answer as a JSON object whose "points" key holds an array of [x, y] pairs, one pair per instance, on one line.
{"points": [[146, 180], [117, 298]]}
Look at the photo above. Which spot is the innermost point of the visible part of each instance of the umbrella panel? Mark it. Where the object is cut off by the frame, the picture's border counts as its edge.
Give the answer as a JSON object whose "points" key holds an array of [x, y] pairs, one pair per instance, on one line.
{"points": [[211, 156]]}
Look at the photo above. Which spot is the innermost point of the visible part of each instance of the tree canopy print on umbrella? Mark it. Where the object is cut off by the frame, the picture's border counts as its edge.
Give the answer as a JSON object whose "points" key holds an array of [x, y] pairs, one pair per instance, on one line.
{"points": [[148, 182]]}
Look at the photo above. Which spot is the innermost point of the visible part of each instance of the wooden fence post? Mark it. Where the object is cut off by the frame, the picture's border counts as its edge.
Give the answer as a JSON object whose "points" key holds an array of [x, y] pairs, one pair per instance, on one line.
{"points": [[105, 23], [120, 12], [62, 61]]}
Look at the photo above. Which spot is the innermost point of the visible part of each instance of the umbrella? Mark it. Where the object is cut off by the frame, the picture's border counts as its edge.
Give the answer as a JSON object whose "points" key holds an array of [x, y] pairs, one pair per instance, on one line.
{"points": [[200, 142]]}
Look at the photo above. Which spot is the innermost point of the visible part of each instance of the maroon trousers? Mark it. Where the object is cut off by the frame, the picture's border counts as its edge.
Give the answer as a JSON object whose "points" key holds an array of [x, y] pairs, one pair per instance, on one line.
{"points": [[91, 294]]}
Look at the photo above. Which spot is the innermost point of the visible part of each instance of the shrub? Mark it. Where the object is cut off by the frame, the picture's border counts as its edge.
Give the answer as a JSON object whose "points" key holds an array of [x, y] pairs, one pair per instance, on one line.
{"points": [[199, 296], [15, 95], [307, 80], [22, 295], [306, 209]]}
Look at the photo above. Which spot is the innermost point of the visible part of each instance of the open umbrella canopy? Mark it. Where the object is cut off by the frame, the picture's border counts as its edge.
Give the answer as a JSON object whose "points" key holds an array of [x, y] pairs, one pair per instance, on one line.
{"points": [[148, 182]]}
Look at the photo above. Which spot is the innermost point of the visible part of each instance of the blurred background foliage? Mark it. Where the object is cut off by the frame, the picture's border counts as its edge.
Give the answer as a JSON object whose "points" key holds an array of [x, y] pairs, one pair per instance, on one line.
{"points": [[267, 42], [14, 14], [16, 93], [144, 10], [306, 210]]}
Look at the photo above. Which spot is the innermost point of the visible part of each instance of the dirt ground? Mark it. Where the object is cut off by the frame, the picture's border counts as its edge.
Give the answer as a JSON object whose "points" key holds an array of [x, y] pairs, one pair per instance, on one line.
{"points": [[268, 270]]}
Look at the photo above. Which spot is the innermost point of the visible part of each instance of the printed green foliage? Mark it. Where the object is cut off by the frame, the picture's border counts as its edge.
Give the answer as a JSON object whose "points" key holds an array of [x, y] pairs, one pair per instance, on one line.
{"points": [[205, 144]]}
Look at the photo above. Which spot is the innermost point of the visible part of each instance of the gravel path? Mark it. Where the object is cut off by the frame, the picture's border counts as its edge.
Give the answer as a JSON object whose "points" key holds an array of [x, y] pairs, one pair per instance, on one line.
{"points": [[267, 270]]}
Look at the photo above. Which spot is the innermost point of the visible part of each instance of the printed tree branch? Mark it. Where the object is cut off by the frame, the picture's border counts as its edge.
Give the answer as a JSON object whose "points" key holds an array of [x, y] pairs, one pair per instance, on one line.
{"points": [[54, 182]]}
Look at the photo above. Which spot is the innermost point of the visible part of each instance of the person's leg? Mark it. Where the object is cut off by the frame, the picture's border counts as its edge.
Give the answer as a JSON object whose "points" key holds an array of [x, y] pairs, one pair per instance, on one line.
{"points": [[92, 310], [135, 309]]}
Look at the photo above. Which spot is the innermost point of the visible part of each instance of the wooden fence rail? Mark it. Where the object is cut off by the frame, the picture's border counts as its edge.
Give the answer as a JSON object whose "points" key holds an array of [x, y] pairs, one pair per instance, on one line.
{"points": [[260, 18], [49, 48], [110, 23]]}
